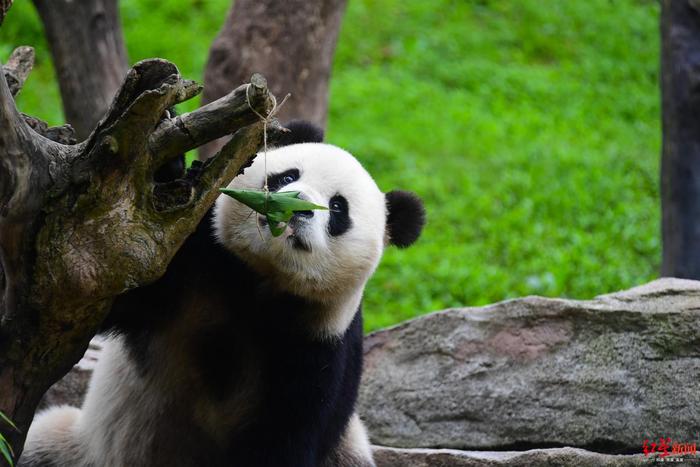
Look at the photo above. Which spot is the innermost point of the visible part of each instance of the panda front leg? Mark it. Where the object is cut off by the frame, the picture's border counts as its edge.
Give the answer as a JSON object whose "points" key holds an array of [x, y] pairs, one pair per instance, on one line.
{"points": [[52, 440], [354, 449]]}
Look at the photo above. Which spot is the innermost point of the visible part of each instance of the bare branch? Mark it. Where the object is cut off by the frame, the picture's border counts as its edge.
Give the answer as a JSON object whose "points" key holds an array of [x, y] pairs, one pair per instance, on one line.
{"points": [[16, 72], [199, 189], [212, 121], [18, 67], [219, 170], [12, 157], [150, 87], [64, 134], [146, 78]]}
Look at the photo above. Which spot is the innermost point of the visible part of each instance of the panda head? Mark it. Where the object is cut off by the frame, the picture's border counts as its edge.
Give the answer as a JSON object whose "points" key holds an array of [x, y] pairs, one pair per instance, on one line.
{"points": [[323, 254]]}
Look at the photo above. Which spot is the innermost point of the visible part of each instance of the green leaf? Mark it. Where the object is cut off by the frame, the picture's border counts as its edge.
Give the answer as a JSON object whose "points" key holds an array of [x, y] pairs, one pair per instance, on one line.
{"points": [[8, 421], [265, 203], [275, 228], [277, 207], [255, 200], [6, 450], [283, 202], [276, 218]]}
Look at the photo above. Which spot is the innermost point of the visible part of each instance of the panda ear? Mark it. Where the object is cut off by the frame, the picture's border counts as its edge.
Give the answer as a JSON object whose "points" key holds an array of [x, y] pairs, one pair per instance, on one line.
{"points": [[300, 131], [405, 217]]}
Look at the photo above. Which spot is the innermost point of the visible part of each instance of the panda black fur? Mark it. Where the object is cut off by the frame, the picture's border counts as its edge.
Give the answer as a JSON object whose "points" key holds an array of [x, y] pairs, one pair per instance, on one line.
{"points": [[248, 351]]}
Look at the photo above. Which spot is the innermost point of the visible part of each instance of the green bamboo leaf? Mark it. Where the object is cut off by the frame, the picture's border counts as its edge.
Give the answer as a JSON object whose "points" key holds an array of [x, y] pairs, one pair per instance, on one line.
{"points": [[4, 441], [255, 200], [290, 204], [6, 450], [276, 218], [264, 203], [8, 421], [291, 194], [277, 207], [275, 228]]}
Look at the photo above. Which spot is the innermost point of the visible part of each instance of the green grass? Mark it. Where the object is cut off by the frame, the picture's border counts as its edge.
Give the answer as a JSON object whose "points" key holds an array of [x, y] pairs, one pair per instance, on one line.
{"points": [[531, 129]]}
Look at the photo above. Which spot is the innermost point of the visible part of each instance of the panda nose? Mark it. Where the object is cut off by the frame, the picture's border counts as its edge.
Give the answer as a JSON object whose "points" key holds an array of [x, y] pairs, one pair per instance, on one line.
{"points": [[304, 214]]}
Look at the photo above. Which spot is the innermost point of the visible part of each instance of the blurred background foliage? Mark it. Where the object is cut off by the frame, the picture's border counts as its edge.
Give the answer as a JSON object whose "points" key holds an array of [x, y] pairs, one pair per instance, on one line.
{"points": [[531, 129]]}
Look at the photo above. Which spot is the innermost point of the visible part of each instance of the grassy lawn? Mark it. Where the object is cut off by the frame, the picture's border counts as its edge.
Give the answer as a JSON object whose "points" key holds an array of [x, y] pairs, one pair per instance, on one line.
{"points": [[531, 129]]}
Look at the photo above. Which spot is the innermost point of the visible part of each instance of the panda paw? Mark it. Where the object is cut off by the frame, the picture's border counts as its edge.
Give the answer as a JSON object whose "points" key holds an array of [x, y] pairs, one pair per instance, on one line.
{"points": [[354, 449]]}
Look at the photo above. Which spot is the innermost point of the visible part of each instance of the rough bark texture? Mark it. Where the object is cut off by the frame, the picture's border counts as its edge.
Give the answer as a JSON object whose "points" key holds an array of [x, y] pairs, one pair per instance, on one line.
{"points": [[293, 40], [16, 71], [4, 7], [680, 164], [18, 67], [80, 224], [87, 47], [603, 374]]}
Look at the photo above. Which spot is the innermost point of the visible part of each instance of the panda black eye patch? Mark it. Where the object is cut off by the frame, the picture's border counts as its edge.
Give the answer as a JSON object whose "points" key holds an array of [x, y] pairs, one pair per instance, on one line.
{"points": [[339, 222], [277, 181]]}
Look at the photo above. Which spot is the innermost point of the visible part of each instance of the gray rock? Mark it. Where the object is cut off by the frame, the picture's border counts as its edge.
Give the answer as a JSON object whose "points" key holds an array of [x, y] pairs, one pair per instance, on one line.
{"points": [[71, 389], [393, 457], [603, 374]]}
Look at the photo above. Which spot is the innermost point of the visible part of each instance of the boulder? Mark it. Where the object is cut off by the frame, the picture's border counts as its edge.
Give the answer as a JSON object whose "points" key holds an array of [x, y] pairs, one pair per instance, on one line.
{"points": [[393, 457], [602, 374]]}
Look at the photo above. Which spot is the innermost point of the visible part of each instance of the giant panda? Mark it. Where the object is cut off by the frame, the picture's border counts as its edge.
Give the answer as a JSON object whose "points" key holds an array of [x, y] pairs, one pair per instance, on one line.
{"points": [[248, 351]]}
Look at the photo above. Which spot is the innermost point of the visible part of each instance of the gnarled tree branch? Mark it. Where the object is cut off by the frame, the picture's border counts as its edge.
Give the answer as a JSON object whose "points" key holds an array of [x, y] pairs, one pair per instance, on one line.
{"points": [[17, 68], [209, 122], [16, 71], [80, 224]]}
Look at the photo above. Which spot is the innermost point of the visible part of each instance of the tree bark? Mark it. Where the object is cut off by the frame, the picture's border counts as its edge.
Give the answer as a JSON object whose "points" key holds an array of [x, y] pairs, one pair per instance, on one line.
{"points": [[680, 162], [4, 7], [80, 224], [293, 40], [87, 47]]}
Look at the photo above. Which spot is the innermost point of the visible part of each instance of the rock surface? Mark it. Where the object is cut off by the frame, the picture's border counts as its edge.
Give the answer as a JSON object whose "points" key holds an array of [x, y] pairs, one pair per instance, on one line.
{"points": [[393, 457], [72, 388], [603, 374]]}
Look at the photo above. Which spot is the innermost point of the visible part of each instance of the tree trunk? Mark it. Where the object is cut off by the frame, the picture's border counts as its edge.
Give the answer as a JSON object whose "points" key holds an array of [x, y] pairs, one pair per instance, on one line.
{"points": [[293, 40], [4, 7], [680, 163], [80, 224], [87, 47]]}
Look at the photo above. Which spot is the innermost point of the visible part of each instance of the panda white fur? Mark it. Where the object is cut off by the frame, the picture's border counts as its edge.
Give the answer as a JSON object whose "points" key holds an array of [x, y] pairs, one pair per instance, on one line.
{"points": [[248, 351]]}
